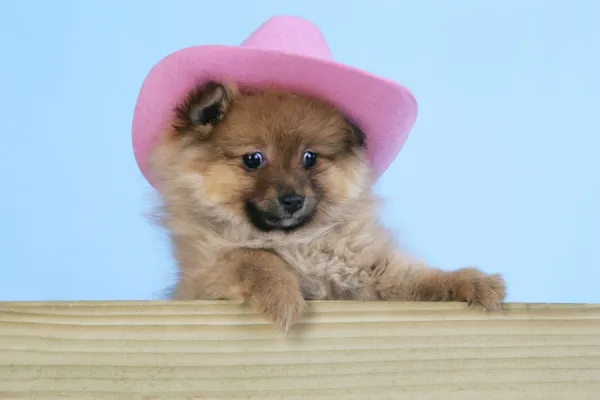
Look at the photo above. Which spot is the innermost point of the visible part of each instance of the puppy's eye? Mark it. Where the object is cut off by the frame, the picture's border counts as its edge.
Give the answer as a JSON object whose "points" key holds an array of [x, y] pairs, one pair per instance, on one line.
{"points": [[309, 159], [253, 160]]}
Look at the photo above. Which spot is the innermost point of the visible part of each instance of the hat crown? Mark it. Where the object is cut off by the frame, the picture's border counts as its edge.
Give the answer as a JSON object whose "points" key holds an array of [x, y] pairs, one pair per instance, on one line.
{"points": [[289, 34]]}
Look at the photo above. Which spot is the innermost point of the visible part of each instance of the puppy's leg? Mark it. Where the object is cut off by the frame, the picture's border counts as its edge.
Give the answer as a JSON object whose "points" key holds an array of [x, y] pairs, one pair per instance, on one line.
{"points": [[263, 279], [417, 282]]}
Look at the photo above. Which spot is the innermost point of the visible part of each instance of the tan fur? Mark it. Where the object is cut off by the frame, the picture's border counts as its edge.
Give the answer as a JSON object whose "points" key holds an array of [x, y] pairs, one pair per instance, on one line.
{"points": [[342, 253]]}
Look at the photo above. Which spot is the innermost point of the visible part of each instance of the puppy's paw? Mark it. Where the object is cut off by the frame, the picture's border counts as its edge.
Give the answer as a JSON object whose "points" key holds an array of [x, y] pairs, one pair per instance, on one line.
{"points": [[270, 285], [280, 303], [477, 288]]}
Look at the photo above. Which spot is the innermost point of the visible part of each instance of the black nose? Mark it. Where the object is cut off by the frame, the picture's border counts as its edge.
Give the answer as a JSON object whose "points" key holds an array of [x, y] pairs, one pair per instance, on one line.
{"points": [[291, 203]]}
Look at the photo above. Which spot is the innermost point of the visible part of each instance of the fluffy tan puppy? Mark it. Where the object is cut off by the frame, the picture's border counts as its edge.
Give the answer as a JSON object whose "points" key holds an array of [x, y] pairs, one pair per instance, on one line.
{"points": [[267, 198]]}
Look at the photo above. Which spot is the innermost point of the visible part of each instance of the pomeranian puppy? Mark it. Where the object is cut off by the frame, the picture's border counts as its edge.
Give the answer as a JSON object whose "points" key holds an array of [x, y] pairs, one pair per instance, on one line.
{"points": [[267, 198]]}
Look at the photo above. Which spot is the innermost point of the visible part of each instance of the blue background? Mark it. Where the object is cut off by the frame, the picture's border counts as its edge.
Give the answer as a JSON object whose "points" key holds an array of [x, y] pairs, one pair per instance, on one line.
{"points": [[501, 170]]}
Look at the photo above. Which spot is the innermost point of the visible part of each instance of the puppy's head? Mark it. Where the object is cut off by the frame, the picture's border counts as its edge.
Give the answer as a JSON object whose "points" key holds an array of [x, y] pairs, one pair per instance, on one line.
{"points": [[275, 159]]}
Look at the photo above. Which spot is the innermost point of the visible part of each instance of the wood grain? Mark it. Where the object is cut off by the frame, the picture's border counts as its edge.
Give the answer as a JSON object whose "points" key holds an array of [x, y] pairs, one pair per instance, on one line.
{"points": [[340, 350]]}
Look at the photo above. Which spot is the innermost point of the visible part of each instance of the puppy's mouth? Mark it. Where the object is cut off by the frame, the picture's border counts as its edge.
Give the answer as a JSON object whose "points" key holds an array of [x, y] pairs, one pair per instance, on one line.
{"points": [[278, 219]]}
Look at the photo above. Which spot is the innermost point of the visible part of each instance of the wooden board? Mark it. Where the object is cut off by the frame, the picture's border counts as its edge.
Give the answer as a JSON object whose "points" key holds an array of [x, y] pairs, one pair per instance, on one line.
{"points": [[341, 350]]}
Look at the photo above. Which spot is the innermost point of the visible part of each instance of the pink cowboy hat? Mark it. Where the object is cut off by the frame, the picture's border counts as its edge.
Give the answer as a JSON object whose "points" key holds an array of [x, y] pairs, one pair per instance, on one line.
{"points": [[290, 53]]}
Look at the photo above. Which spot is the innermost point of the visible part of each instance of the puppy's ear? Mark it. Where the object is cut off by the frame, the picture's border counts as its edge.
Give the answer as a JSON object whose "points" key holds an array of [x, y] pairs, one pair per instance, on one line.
{"points": [[355, 136], [204, 108]]}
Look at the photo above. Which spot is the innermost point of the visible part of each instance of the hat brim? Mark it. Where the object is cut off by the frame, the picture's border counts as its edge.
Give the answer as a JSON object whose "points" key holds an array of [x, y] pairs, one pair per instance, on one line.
{"points": [[385, 110]]}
